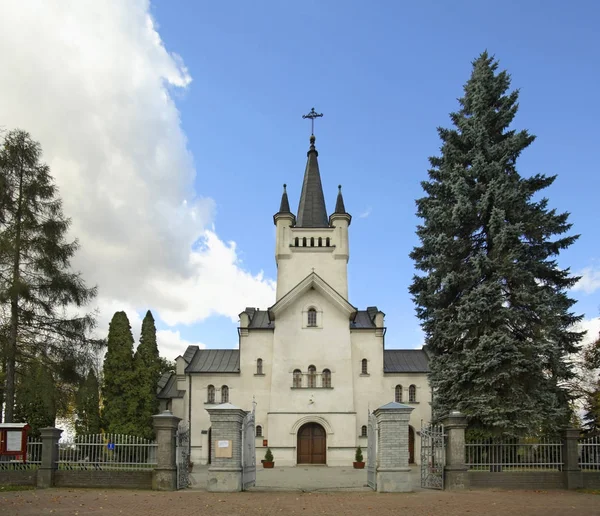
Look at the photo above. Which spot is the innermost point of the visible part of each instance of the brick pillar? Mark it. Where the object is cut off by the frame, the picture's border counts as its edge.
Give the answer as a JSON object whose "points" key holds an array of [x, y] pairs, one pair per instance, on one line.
{"points": [[164, 477], [225, 470], [393, 471], [572, 472], [456, 474], [45, 475]]}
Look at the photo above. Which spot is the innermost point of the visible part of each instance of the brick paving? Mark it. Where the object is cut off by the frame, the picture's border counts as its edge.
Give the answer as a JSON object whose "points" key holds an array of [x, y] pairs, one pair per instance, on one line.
{"points": [[83, 502]]}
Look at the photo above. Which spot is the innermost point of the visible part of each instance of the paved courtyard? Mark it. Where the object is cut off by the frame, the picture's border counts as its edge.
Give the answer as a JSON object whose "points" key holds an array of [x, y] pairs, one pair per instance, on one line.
{"points": [[94, 502]]}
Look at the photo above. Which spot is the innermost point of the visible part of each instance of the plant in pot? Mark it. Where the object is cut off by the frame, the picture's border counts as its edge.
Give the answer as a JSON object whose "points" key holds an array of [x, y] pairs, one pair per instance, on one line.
{"points": [[358, 459], [268, 461]]}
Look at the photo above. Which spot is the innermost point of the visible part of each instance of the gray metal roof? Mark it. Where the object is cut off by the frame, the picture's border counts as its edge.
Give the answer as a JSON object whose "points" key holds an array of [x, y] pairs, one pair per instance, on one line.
{"points": [[339, 203], [311, 209], [364, 318], [405, 361], [169, 387], [215, 361], [259, 319], [189, 353], [284, 207]]}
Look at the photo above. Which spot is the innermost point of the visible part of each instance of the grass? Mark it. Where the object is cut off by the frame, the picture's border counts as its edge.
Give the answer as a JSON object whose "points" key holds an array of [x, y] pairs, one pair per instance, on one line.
{"points": [[589, 491], [4, 488]]}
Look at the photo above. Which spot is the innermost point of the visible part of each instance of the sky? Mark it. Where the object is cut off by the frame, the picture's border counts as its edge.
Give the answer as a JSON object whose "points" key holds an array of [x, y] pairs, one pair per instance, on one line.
{"points": [[170, 127]]}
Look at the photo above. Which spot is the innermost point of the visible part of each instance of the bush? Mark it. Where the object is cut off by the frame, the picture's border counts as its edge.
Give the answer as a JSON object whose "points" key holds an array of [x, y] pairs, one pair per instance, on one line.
{"points": [[359, 456], [269, 455]]}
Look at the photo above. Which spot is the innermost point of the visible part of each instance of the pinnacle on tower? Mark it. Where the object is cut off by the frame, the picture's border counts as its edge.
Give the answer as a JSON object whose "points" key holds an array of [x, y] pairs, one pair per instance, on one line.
{"points": [[339, 203], [284, 207]]}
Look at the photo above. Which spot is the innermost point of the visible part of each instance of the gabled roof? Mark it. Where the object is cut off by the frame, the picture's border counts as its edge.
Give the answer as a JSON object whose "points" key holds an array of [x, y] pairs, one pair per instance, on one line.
{"points": [[189, 353], [311, 208], [215, 361], [259, 319], [313, 280], [167, 387], [405, 361]]}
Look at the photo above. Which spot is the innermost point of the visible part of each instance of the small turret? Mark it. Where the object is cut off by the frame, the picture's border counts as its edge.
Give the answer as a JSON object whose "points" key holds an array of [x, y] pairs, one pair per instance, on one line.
{"points": [[284, 208]]}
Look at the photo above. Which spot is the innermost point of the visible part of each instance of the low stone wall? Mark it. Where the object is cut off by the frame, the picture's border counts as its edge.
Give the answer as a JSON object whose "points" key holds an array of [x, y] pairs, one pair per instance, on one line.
{"points": [[591, 479], [517, 479], [18, 478], [111, 479]]}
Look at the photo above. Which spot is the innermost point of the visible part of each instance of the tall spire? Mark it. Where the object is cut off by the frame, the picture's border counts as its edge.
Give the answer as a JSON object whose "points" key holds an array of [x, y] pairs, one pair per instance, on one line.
{"points": [[311, 209]]}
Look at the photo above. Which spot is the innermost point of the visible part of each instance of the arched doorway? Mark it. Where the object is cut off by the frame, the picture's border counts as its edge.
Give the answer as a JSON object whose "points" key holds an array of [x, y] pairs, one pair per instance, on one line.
{"points": [[312, 444], [411, 445]]}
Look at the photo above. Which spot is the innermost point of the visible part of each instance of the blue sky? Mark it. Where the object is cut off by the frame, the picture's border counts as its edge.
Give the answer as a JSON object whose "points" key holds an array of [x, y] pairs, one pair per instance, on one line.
{"points": [[171, 125], [385, 74]]}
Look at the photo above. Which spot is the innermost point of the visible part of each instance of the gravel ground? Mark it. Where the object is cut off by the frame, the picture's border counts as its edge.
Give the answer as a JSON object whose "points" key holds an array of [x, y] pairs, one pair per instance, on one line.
{"points": [[80, 502]]}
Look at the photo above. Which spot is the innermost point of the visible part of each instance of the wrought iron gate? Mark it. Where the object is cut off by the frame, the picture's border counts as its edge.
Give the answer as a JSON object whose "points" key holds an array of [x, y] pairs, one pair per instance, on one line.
{"points": [[248, 451], [372, 452], [433, 456], [183, 455]]}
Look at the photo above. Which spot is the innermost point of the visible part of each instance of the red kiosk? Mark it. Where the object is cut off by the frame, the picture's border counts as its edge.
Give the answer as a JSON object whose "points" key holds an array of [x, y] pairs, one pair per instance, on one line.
{"points": [[13, 440]]}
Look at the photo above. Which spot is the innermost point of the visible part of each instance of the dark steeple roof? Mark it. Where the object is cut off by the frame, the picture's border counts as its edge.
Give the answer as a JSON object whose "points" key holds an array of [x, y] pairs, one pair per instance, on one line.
{"points": [[284, 207], [311, 210], [339, 204]]}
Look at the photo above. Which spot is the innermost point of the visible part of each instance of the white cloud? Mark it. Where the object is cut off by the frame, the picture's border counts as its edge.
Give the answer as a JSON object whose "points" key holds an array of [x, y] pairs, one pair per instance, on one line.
{"points": [[172, 345], [91, 82], [590, 280], [365, 213]]}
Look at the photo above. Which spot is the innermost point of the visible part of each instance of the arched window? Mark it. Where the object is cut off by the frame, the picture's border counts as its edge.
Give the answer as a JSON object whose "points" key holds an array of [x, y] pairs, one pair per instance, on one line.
{"points": [[297, 242], [398, 394], [327, 242], [363, 366], [312, 376], [363, 431], [412, 394], [258, 431], [259, 369], [326, 378], [224, 394], [210, 394], [320, 242], [297, 378], [312, 241], [304, 242], [312, 317]]}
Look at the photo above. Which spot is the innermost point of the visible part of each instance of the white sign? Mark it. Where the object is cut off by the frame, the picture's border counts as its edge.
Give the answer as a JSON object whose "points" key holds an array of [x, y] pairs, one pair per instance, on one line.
{"points": [[13, 440], [223, 444]]}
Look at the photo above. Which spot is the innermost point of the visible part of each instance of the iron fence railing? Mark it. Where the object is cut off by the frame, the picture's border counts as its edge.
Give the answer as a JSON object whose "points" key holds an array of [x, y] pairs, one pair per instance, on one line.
{"points": [[514, 455], [31, 460], [589, 453], [107, 452]]}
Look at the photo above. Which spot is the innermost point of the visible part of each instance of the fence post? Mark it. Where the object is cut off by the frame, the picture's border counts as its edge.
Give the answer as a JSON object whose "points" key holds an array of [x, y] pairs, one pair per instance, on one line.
{"points": [[571, 470], [49, 464], [164, 477], [456, 474]]}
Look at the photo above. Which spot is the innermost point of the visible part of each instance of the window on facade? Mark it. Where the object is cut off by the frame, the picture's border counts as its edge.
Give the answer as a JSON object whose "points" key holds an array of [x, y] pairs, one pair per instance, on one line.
{"points": [[363, 431], [297, 242], [320, 242], [326, 378], [312, 376], [297, 378], [258, 431], [398, 394], [224, 394], [412, 394], [363, 366], [210, 394], [259, 369], [327, 242], [312, 317], [312, 241], [304, 242]]}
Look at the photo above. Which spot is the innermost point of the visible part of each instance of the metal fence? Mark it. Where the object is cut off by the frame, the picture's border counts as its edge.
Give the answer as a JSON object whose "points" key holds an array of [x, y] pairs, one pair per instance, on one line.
{"points": [[32, 460], [589, 453], [107, 452], [514, 455]]}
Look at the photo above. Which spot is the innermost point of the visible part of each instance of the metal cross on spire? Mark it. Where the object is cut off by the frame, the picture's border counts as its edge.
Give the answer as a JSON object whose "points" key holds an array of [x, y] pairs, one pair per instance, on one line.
{"points": [[312, 115]]}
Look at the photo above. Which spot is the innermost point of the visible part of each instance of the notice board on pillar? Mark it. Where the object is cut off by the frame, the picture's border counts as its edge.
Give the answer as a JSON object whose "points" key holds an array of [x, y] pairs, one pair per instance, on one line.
{"points": [[223, 449]]}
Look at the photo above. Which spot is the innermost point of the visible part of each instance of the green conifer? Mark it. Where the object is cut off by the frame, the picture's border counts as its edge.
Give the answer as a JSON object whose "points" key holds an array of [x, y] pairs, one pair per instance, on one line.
{"points": [[88, 406]]}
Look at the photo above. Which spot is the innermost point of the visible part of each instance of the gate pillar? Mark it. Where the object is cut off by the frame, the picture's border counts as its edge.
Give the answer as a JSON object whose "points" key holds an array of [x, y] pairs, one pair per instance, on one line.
{"points": [[225, 470], [456, 475], [165, 472], [393, 472]]}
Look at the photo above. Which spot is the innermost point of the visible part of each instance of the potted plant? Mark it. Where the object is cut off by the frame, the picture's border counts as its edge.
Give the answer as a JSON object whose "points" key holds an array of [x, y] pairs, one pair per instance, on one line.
{"points": [[268, 461], [358, 458]]}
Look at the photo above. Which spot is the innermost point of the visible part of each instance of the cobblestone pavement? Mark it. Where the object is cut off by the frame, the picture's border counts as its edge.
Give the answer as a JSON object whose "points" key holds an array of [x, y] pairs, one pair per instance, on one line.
{"points": [[83, 502]]}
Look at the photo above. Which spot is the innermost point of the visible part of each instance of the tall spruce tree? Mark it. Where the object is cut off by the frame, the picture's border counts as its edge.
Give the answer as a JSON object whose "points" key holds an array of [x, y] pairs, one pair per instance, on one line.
{"points": [[88, 406], [36, 283], [492, 300], [147, 367], [119, 394], [591, 387], [37, 397]]}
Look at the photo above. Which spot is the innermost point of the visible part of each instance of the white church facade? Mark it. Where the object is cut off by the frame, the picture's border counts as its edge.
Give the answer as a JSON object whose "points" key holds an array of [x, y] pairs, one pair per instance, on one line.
{"points": [[313, 362]]}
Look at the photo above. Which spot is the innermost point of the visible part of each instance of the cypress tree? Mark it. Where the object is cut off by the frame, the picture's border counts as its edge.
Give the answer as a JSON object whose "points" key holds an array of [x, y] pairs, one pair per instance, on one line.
{"points": [[88, 406], [36, 397], [491, 298], [147, 366], [119, 391]]}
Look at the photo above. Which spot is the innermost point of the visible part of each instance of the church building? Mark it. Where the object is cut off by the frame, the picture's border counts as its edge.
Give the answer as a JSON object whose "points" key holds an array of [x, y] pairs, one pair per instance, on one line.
{"points": [[313, 363]]}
